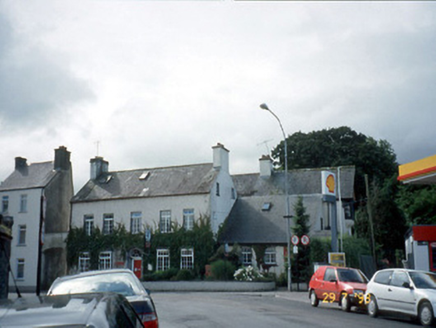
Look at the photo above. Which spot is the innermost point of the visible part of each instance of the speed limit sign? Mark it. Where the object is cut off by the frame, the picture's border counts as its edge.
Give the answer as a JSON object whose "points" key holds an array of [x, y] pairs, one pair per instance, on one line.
{"points": [[295, 240], [305, 240]]}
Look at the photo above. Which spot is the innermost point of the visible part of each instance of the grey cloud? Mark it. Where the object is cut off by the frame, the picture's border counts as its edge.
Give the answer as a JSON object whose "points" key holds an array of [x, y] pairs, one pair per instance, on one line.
{"points": [[34, 83]]}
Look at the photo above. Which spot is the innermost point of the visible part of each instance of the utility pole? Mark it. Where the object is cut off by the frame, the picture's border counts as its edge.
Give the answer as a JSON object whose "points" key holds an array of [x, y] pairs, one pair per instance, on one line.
{"points": [[371, 224]]}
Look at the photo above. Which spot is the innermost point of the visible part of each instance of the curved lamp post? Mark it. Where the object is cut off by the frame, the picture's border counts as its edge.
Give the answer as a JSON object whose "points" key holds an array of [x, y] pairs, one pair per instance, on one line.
{"points": [[287, 216]]}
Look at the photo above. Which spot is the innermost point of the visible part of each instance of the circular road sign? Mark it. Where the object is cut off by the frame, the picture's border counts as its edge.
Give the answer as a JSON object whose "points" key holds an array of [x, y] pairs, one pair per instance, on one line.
{"points": [[305, 240], [295, 240]]}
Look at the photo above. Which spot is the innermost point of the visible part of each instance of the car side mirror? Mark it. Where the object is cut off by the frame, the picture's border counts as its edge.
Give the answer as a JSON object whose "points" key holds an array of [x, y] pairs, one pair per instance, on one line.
{"points": [[407, 285], [334, 280]]}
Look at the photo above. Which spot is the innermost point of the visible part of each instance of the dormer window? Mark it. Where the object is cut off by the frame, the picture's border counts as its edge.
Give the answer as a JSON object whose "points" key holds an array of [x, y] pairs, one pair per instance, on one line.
{"points": [[144, 175], [266, 206]]}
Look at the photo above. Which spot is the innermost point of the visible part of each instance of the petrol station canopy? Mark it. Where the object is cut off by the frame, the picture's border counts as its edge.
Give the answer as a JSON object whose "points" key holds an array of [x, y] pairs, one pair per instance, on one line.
{"points": [[422, 171]]}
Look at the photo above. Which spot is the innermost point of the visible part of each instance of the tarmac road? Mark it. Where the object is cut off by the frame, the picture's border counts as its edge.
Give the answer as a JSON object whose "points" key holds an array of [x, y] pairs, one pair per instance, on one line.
{"points": [[260, 310]]}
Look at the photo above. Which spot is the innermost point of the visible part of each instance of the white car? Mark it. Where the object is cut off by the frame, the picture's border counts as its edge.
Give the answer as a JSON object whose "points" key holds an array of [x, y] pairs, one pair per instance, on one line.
{"points": [[405, 291]]}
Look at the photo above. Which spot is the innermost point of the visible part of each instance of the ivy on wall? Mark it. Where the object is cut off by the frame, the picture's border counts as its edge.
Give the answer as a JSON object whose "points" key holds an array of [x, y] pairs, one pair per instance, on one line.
{"points": [[200, 238], [119, 240]]}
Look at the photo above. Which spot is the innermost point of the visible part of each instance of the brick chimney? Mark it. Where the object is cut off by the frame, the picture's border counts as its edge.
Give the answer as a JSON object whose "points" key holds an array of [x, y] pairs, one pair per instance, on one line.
{"points": [[98, 166], [20, 163], [265, 164], [62, 159], [220, 158]]}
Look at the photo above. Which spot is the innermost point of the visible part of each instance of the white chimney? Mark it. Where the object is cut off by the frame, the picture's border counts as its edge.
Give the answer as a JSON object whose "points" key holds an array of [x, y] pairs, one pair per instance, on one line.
{"points": [[265, 163], [220, 158]]}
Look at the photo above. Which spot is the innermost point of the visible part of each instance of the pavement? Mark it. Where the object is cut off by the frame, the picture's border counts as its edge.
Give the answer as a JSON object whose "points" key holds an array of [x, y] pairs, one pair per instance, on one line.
{"points": [[297, 294]]}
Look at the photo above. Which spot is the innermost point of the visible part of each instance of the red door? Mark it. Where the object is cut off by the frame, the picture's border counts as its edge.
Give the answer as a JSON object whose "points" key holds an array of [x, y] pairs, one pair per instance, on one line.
{"points": [[137, 268]]}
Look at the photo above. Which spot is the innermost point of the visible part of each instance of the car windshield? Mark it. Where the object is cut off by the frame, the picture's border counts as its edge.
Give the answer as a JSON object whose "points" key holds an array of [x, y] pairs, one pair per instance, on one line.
{"points": [[425, 280], [351, 275], [121, 283]]}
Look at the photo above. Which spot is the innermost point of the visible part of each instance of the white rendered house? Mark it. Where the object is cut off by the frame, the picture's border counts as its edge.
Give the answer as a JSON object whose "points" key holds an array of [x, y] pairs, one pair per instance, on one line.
{"points": [[154, 198]]}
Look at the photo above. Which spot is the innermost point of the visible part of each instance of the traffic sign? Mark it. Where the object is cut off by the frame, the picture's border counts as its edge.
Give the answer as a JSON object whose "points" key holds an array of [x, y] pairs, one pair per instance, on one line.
{"points": [[295, 250], [295, 240], [305, 240]]}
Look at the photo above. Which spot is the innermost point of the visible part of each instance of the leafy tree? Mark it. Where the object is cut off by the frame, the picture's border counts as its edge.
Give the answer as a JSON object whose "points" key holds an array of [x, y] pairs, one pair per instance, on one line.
{"points": [[339, 147], [301, 227], [418, 204], [389, 221]]}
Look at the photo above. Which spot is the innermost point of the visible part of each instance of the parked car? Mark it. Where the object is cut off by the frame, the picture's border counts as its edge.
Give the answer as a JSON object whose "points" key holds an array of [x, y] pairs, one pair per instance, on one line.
{"points": [[105, 310], [346, 286], [409, 292], [121, 281]]}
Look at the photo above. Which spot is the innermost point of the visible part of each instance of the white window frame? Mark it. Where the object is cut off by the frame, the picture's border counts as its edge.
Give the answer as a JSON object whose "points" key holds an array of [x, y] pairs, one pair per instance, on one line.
{"points": [[84, 262], [88, 224], [105, 261], [187, 259], [270, 256], [247, 255], [165, 221], [20, 269], [23, 203], [108, 224], [22, 234], [188, 219], [135, 222], [162, 259]]}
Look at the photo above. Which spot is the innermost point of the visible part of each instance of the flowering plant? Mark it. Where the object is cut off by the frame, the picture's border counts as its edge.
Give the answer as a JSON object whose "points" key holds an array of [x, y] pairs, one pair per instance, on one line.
{"points": [[247, 274]]}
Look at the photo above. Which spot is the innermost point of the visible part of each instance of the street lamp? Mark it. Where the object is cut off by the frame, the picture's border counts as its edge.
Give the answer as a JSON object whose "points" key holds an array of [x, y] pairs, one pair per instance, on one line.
{"points": [[287, 216]]}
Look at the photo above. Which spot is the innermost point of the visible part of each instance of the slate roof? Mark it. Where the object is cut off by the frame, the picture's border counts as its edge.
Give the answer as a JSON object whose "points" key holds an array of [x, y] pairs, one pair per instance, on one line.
{"points": [[301, 182], [249, 224], [159, 182], [36, 175]]}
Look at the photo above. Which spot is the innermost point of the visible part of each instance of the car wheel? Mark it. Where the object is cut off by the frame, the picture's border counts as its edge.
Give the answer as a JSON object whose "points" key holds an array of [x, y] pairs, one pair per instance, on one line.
{"points": [[345, 302], [372, 307], [425, 314], [314, 301]]}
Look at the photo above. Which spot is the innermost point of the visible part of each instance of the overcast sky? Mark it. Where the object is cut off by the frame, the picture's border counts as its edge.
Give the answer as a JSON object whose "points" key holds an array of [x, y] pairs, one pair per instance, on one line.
{"points": [[158, 83]]}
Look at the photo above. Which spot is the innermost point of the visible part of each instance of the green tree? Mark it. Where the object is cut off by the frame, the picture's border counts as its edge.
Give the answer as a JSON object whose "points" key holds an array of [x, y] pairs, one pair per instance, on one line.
{"points": [[300, 266], [339, 147], [418, 204], [388, 219]]}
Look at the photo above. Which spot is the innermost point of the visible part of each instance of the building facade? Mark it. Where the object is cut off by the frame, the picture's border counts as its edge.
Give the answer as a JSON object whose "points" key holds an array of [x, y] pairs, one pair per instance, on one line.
{"points": [[151, 199], [37, 197], [257, 217]]}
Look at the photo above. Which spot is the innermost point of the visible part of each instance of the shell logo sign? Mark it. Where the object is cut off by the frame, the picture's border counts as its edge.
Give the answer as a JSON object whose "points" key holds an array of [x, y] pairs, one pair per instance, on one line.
{"points": [[328, 183]]}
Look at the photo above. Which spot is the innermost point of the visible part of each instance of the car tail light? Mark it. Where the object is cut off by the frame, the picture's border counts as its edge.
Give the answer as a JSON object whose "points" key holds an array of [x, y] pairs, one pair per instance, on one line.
{"points": [[149, 320]]}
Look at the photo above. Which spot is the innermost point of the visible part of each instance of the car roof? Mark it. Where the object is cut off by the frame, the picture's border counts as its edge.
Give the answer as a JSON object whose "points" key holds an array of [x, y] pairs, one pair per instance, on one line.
{"points": [[336, 267], [404, 269], [56, 310], [96, 272]]}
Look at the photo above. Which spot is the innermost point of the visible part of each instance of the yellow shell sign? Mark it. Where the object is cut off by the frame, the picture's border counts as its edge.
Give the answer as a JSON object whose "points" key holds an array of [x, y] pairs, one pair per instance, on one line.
{"points": [[328, 183]]}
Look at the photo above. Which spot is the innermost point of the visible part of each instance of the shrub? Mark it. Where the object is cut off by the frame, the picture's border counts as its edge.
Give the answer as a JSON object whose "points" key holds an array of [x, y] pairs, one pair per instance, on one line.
{"points": [[169, 274], [247, 274], [185, 275], [222, 270]]}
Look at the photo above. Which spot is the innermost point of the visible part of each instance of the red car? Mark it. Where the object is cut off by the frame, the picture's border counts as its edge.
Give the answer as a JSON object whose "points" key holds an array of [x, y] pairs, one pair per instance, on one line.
{"points": [[345, 286]]}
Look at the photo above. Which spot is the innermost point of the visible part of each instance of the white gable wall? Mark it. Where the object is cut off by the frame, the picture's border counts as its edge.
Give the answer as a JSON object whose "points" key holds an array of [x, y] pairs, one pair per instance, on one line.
{"points": [[221, 203], [31, 219]]}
